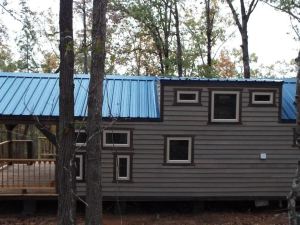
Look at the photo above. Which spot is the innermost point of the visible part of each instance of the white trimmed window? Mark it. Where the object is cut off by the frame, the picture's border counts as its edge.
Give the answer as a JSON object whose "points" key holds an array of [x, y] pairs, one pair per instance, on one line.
{"points": [[262, 98], [116, 138], [80, 137], [187, 96], [225, 106], [179, 150], [123, 167], [79, 166]]}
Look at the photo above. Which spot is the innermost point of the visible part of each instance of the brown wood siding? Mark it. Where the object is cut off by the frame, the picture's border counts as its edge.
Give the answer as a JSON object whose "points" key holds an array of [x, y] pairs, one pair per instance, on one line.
{"points": [[226, 156]]}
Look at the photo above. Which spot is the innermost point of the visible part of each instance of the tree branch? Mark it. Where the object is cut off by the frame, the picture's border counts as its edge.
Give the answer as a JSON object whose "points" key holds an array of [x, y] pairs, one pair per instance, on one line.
{"points": [[235, 15]]}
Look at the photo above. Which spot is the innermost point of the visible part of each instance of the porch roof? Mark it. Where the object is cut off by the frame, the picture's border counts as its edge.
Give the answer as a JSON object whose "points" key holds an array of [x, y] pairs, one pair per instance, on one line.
{"points": [[30, 94]]}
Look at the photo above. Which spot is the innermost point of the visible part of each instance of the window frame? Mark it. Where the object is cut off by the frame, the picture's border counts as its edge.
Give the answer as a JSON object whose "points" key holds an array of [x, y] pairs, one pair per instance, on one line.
{"points": [[79, 144], [271, 102], [106, 145], [190, 159], [116, 177], [81, 157], [196, 101], [238, 105]]}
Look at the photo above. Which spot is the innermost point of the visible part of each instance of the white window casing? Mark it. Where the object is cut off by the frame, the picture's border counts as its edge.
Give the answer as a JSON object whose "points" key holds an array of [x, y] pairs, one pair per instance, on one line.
{"points": [[127, 177], [262, 102], [80, 157], [189, 159], [117, 145], [237, 107], [180, 92], [77, 133]]}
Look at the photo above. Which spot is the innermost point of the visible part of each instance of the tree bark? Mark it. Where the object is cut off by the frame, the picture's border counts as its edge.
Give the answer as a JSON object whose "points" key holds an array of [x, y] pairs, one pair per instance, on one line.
{"points": [[85, 47], [178, 40], [94, 191], [292, 196], [66, 150], [209, 29], [245, 50], [243, 28]]}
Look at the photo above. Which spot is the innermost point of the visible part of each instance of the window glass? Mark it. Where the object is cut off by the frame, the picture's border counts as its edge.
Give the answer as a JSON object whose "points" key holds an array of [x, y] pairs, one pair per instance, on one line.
{"points": [[123, 167], [225, 106], [262, 98], [187, 96], [179, 150], [80, 136], [116, 138]]}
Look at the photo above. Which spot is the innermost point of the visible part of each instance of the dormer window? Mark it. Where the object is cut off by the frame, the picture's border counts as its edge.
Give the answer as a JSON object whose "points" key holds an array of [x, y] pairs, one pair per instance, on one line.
{"points": [[225, 107], [187, 97], [262, 98]]}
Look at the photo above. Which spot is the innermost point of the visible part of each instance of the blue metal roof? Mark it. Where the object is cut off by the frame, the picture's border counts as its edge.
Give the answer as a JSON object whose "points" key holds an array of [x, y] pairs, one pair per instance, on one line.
{"points": [[289, 111], [27, 94]]}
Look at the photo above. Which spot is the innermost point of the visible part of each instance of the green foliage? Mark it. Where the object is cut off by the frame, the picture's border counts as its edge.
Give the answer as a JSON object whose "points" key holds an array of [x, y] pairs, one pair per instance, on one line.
{"points": [[27, 40], [292, 8], [7, 64], [50, 62]]}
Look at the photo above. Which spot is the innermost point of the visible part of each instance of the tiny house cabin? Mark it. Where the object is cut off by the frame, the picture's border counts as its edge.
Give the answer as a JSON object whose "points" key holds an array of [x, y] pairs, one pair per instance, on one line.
{"points": [[163, 138]]}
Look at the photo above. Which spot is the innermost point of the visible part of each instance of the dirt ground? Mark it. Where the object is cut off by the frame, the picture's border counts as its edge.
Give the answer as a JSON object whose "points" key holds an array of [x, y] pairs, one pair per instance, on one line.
{"points": [[149, 215]]}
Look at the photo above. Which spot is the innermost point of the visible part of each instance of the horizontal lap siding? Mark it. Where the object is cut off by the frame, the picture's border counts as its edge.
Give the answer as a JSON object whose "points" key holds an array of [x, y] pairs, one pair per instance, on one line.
{"points": [[226, 157]]}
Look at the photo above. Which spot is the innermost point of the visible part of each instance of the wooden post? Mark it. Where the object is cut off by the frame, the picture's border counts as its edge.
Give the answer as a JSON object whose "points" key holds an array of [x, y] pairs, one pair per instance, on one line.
{"points": [[29, 150], [9, 129]]}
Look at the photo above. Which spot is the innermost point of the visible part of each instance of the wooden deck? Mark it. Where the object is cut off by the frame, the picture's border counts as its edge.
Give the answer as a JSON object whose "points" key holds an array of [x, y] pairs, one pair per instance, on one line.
{"points": [[27, 177]]}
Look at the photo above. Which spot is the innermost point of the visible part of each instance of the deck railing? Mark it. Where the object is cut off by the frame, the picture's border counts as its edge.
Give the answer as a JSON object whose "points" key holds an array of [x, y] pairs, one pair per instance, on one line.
{"points": [[27, 174]]}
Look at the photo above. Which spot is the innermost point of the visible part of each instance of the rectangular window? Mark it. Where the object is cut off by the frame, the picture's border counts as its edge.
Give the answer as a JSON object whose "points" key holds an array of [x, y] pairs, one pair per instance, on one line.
{"points": [[179, 150], [116, 138], [262, 98], [225, 106], [122, 167], [79, 167], [187, 96], [80, 137]]}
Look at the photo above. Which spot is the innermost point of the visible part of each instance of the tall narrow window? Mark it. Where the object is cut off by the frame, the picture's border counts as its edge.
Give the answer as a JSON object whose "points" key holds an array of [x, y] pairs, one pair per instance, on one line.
{"points": [[79, 166], [225, 106], [116, 138], [122, 167]]}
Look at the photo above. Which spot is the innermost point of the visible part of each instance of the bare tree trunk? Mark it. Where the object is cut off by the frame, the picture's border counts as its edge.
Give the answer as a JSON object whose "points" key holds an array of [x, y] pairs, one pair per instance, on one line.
{"points": [[208, 31], [242, 24], [178, 40], [245, 50], [85, 47], [94, 191], [292, 197], [66, 150]]}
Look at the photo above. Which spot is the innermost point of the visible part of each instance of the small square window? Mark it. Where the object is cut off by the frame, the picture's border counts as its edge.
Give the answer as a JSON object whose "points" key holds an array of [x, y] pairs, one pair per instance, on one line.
{"points": [[80, 137], [79, 167], [262, 98], [187, 97], [179, 150], [116, 138], [225, 106], [122, 167]]}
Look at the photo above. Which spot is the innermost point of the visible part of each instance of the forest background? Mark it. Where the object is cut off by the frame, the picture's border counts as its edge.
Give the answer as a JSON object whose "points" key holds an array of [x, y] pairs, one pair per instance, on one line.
{"points": [[141, 39]]}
